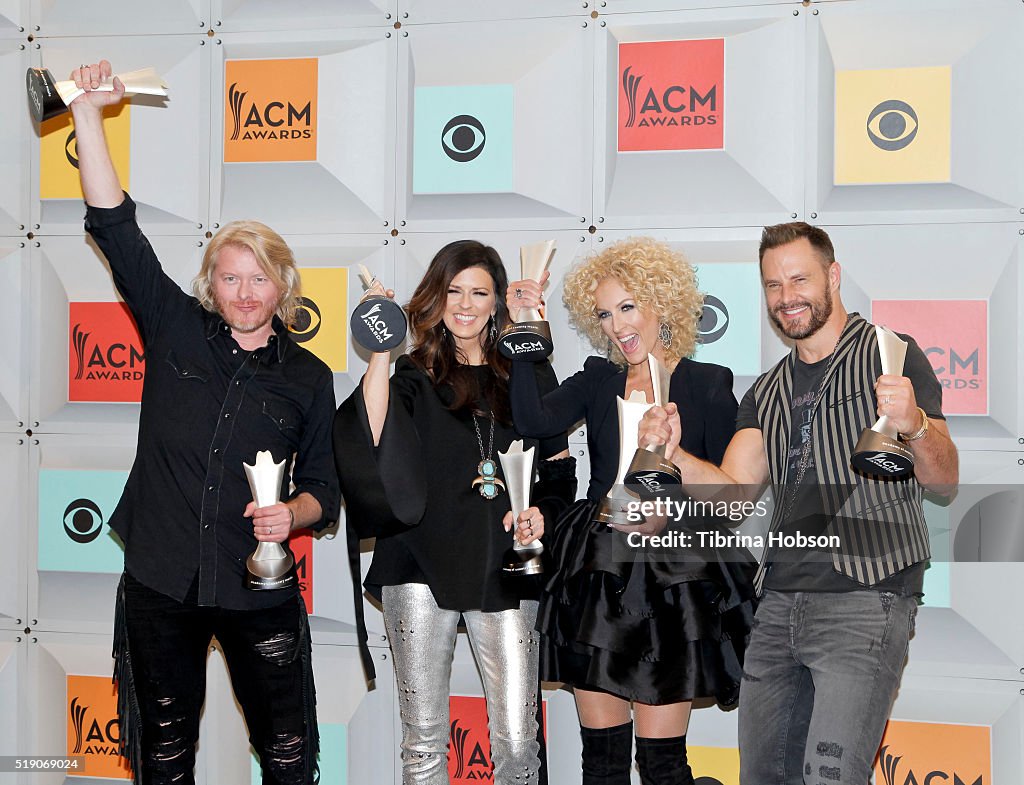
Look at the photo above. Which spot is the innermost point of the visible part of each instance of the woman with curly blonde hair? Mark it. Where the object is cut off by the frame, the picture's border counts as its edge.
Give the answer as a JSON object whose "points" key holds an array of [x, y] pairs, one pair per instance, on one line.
{"points": [[637, 639]]}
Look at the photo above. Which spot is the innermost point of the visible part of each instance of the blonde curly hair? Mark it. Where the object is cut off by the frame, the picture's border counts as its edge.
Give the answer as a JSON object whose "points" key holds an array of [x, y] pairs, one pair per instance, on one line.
{"points": [[659, 279]]}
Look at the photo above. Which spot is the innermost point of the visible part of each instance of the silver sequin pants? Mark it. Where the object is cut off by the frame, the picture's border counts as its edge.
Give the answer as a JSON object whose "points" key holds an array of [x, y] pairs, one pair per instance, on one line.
{"points": [[505, 647]]}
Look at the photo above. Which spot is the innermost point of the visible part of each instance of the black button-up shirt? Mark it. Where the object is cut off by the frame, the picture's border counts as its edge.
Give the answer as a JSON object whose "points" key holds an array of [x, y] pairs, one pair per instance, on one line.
{"points": [[208, 406]]}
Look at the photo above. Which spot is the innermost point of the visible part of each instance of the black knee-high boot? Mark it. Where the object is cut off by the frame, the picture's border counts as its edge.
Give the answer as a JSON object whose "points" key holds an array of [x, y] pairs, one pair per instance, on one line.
{"points": [[663, 761], [606, 754]]}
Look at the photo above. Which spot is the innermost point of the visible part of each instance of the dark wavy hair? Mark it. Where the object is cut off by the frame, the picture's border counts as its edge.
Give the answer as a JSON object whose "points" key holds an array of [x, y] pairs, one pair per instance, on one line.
{"points": [[434, 347]]}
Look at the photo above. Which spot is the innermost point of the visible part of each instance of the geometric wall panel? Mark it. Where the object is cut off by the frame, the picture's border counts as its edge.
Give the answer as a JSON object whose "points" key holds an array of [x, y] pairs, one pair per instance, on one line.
{"points": [[231, 16], [681, 142], [15, 166], [68, 270], [314, 115], [331, 285], [13, 739], [14, 530], [504, 144], [894, 267], [14, 315], [636, 6], [914, 114], [74, 560], [995, 707], [420, 11], [119, 17], [166, 177]]}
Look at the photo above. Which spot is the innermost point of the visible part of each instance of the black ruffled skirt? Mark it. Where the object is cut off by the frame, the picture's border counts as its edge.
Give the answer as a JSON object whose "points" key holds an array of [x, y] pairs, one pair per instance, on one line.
{"points": [[653, 626]]}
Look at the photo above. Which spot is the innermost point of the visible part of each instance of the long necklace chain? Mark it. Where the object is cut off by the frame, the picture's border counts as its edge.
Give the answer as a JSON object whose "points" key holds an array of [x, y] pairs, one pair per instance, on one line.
{"points": [[807, 446], [486, 482]]}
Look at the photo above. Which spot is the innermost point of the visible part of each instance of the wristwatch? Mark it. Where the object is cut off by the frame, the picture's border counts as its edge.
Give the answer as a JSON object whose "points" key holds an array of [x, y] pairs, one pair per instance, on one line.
{"points": [[913, 437]]}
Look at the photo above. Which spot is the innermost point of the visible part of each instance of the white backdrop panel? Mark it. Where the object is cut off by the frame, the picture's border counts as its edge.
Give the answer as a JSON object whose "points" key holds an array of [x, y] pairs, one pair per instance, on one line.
{"points": [[15, 530], [231, 16], [347, 184], [418, 11], [13, 739], [15, 158], [978, 41], [533, 77], [756, 176], [72, 583], [169, 139], [118, 17], [71, 269], [980, 263], [14, 317]]}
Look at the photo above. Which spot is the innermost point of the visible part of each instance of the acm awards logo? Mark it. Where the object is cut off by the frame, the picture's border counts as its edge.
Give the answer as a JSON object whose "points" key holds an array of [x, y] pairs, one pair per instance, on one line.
{"points": [[270, 111], [301, 545], [93, 730], [672, 95], [892, 125], [83, 521], [106, 360], [953, 334], [714, 320], [92, 737], [471, 761], [463, 138], [896, 771], [269, 121]]}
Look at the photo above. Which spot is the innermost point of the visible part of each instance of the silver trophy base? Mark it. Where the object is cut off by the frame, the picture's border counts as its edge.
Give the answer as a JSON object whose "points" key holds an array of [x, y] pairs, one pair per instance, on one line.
{"points": [[267, 574], [877, 453], [523, 561], [526, 341], [651, 474]]}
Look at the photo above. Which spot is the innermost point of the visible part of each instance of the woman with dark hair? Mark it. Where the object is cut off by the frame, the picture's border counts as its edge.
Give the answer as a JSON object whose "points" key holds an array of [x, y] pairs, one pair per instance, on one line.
{"points": [[637, 638], [417, 454]]}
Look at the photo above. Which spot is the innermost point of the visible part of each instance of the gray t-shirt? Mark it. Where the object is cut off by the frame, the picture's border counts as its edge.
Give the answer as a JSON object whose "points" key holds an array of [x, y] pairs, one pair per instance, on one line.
{"points": [[804, 569]]}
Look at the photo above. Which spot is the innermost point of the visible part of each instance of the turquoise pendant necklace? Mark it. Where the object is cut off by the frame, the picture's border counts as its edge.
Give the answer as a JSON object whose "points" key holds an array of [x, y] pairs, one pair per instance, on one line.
{"points": [[487, 482]]}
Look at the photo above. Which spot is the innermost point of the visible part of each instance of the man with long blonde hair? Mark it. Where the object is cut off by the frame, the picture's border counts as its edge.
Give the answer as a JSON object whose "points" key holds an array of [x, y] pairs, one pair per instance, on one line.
{"points": [[223, 382]]}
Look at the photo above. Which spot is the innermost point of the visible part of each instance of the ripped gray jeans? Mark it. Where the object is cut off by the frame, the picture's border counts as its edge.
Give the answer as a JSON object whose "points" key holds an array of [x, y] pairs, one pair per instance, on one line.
{"points": [[819, 679]]}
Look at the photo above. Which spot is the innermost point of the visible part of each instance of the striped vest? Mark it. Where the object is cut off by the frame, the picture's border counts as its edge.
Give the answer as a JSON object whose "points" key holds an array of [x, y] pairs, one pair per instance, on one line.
{"points": [[880, 522]]}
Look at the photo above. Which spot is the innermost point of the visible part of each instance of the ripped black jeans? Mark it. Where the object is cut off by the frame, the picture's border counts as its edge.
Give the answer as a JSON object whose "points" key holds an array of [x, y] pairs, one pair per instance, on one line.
{"points": [[164, 665]]}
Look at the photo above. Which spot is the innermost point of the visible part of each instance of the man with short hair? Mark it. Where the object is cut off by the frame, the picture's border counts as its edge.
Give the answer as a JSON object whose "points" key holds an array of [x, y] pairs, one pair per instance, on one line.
{"points": [[223, 382], [833, 626]]}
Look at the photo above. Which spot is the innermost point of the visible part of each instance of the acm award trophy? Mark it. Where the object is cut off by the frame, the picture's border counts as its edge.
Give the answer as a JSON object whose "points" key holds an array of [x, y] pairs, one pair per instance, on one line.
{"points": [[614, 506], [48, 98], [378, 323], [879, 450], [270, 566], [529, 337], [649, 472], [517, 466]]}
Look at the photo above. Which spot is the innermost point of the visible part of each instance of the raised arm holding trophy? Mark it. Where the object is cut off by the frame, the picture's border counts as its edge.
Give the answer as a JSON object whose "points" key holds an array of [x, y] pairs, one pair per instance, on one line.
{"points": [[636, 640], [224, 382]]}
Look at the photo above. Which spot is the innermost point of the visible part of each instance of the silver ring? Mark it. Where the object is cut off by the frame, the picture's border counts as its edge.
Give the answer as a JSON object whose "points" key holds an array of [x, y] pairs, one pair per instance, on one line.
{"points": [[519, 294]]}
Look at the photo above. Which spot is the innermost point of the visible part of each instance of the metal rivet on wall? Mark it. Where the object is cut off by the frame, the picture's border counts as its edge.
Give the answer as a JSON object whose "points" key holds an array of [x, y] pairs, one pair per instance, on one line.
{"points": [[792, 215], [814, 215]]}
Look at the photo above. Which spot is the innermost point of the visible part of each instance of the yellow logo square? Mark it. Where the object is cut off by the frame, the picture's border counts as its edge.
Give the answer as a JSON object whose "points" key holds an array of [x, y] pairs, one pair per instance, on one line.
{"points": [[322, 322], [58, 154], [893, 126]]}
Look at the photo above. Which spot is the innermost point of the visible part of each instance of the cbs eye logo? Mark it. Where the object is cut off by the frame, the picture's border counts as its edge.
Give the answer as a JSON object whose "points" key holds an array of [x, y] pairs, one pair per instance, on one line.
{"points": [[892, 125], [83, 520], [463, 138], [69, 153], [307, 321], [714, 320]]}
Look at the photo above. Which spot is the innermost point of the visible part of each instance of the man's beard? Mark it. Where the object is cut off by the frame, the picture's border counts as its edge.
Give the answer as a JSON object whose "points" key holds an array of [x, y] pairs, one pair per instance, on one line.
{"points": [[820, 311], [245, 322]]}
